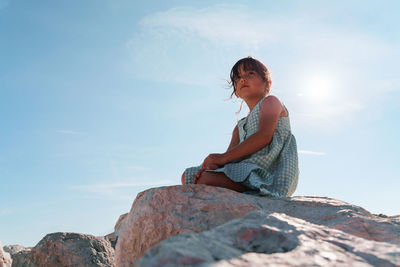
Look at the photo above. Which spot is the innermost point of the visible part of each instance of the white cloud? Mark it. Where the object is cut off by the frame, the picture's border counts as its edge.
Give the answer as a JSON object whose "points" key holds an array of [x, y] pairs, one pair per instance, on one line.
{"points": [[179, 43], [100, 187], [115, 189], [239, 26], [308, 152], [221, 24]]}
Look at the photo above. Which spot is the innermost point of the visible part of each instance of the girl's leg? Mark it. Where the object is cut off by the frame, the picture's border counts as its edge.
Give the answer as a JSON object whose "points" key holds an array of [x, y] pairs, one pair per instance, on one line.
{"points": [[183, 178], [221, 180]]}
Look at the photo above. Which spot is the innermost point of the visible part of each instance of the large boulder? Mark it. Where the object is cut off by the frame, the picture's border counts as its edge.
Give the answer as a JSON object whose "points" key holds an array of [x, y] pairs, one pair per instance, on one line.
{"points": [[12, 249], [262, 239], [5, 258], [68, 249], [160, 213]]}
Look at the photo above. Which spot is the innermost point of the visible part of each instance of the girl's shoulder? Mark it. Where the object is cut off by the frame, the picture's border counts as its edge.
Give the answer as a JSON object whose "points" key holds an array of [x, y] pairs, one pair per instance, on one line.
{"points": [[271, 98], [273, 102]]}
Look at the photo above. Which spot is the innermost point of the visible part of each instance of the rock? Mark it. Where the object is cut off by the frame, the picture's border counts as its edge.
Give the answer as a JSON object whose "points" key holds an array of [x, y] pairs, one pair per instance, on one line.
{"points": [[119, 223], [113, 237], [12, 249], [343, 216], [19, 255], [22, 258], [64, 249], [160, 213], [263, 239], [5, 258], [71, 249]]}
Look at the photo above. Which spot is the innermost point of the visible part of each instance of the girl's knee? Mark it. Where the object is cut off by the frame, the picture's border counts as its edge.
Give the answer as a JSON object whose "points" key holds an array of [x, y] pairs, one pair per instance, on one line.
{"points": [[183, 178], [205, 179]]}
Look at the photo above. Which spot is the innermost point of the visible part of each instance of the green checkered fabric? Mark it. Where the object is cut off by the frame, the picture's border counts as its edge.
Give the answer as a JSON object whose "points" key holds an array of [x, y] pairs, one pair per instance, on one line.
{"points": [[271, 171]]}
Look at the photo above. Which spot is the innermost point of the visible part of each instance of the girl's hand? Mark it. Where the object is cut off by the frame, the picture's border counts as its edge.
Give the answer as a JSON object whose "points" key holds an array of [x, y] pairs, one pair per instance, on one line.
{"points": [[208, 167], [214, 159]]}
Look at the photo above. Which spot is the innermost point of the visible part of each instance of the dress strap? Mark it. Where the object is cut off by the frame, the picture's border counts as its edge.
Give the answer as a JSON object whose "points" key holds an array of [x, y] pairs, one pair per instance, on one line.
{"points": [[287, 111]]}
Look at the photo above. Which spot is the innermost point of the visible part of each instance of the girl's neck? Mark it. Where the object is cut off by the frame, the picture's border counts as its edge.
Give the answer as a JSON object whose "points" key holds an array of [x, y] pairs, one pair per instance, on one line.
{"points": [[251, 103]]}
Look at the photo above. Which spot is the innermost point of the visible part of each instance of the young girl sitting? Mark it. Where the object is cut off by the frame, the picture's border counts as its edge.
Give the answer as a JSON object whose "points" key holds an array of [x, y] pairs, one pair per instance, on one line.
{"points": [[262, 155]]}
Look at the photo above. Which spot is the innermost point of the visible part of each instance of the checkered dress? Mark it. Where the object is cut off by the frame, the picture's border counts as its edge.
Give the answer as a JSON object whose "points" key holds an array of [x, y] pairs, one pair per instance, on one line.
{"points": [[271, 171]]}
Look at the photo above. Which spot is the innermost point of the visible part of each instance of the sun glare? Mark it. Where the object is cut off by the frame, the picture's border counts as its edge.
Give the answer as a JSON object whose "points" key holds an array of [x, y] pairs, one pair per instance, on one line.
{"points": [[319, 88]]}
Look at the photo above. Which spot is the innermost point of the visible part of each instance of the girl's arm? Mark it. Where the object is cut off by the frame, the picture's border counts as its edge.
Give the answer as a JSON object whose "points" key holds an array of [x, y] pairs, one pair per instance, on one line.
{"points": [[270, 111], [235, 138], [234, 141]]}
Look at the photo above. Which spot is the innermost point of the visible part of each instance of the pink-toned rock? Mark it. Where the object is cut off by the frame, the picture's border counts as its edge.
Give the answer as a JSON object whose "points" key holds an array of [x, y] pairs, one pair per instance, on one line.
{"points": [[261, 239], [346, 217], [119, 222], [5, 258], [160, 213], [71, 249]]}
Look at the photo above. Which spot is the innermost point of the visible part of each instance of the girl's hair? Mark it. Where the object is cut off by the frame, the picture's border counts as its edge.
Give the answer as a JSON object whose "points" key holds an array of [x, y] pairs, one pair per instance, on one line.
{"points": [[248, 64]]}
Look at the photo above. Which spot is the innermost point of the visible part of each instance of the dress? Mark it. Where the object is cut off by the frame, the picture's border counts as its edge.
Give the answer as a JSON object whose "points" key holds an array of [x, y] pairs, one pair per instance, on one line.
{"points": [[271, 171]]}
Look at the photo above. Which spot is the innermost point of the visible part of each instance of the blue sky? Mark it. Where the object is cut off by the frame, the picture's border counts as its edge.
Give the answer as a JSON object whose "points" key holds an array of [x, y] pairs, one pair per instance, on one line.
{"points": [[103, 99]]}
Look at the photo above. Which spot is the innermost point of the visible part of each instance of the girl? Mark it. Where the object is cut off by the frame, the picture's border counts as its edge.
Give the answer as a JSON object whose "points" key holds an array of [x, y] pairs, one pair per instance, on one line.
{"points": [[262, 155]]}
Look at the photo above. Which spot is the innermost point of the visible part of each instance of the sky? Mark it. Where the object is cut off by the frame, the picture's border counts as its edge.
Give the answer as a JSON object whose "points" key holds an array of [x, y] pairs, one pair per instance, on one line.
{"points": [[101, 100]]}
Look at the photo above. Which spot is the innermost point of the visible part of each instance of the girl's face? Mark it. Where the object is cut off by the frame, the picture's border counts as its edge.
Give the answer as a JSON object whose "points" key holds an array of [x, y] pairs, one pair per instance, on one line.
{"points": [[249, 84]]}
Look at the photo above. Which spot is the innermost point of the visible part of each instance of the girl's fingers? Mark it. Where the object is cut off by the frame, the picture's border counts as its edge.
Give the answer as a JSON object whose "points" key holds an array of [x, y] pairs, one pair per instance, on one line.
{"points": [[212, 167]]}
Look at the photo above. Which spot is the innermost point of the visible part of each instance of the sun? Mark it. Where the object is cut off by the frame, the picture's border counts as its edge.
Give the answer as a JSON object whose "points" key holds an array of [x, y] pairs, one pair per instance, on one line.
{"points": [[319, 88]]}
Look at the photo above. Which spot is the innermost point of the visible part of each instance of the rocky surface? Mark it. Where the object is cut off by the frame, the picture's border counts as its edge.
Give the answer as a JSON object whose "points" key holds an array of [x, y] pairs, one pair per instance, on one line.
{"points": [[5, 258], [66, 249], [71, 249], [19, 254], [262, 239], [199, 225], [160, 213], [12, 249], [22, 259]]}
